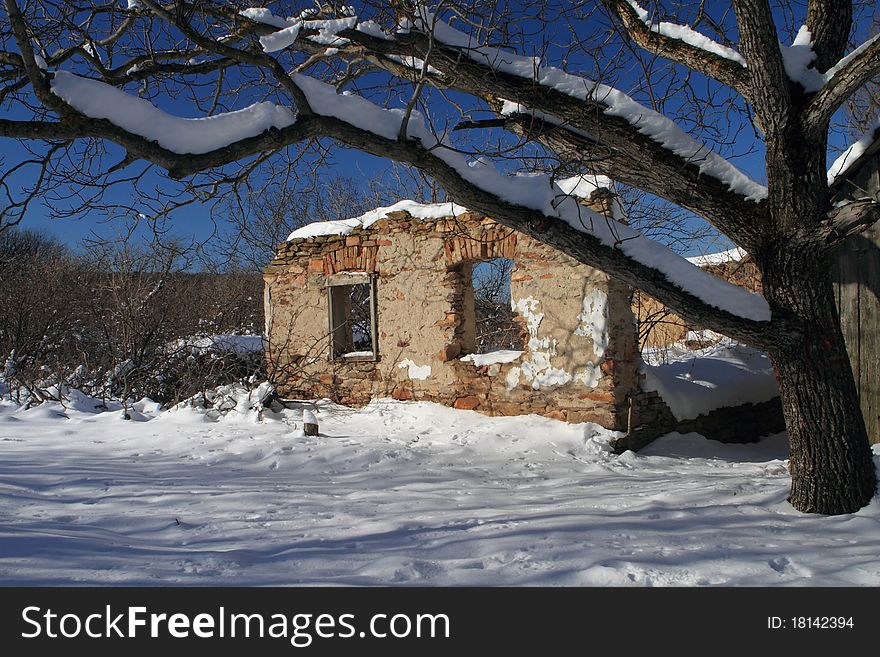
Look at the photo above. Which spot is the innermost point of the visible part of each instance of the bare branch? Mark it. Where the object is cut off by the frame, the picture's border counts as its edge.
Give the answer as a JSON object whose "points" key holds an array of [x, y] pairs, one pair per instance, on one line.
{"points": [[34, 74], [242, 56], [829, 22], [759, 42]]}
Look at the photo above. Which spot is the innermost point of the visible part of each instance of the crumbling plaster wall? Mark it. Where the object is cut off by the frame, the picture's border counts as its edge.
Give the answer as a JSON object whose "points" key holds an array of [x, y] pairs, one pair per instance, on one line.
{"points": [[580, 359]]}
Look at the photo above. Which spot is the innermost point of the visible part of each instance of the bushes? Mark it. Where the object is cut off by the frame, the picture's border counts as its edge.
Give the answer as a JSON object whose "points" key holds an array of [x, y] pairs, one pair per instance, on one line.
{"points": [[119, 322]]}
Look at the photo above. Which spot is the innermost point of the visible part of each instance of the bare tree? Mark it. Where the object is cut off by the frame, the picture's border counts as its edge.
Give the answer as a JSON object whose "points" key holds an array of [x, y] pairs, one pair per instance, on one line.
{"points": [[71, 72], [39, 325], [260, 218], [263, 219]]}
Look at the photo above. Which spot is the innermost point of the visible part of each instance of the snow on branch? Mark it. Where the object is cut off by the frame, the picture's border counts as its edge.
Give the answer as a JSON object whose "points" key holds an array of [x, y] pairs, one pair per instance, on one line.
{"points": [[289, 28], [687, 35], [843, 79], [851, 57], [539, 193], [535, 193], [98, 100], [663, 131], [799, 59], [648, 122]]}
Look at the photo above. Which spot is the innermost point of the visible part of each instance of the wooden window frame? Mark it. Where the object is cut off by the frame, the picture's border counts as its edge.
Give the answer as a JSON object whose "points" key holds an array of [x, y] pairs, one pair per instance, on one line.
{"points": [[347, 279]]}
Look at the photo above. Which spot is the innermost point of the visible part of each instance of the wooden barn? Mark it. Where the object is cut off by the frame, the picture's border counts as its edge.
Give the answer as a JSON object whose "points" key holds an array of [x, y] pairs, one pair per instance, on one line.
{"points": [[858, 282]]}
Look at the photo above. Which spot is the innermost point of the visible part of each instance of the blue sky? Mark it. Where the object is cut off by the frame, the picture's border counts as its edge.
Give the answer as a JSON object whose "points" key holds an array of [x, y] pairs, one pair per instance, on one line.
{"points": [[196, 222]]}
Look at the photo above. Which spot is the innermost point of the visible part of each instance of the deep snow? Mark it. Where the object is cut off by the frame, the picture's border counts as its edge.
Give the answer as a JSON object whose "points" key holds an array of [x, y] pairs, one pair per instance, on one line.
{"points": [[694, 382], [400, 493]]}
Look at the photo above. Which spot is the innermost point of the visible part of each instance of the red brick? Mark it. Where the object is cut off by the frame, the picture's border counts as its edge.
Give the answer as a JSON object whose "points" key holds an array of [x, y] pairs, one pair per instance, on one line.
{"points": [[466, 403], [451, 319], [402, 393], [449, 352], [604, 397]]}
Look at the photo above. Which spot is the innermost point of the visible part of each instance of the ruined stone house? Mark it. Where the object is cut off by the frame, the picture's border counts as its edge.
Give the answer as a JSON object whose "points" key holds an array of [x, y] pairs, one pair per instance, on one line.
{"points": [[383, 306]]}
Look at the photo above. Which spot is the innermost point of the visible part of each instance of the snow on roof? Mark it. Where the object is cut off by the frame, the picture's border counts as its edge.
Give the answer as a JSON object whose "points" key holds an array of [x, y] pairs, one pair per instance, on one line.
{"points": [[852, 154], [345, 226], [731, 255]]}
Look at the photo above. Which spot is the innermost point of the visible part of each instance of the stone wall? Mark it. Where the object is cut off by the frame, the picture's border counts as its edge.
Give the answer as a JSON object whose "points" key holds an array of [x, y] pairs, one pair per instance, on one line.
{"points": [[579, 363], [746, 423]]}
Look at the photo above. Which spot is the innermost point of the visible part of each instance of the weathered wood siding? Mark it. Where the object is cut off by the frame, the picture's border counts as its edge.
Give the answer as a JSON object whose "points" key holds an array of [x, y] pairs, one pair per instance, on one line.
{"points": [[858, 298]]}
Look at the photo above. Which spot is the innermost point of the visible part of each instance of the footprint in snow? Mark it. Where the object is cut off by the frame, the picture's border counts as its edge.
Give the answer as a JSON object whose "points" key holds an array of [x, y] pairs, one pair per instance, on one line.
{"points": [[779, 564]]}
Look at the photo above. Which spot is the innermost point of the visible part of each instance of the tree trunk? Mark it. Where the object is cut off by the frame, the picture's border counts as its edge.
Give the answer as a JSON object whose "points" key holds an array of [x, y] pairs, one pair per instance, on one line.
{"points": [[831, 464]]}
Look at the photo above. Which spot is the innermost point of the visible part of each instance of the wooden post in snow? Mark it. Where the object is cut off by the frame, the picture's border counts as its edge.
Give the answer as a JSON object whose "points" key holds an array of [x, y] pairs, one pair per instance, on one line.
{"points": [[310, 423]]}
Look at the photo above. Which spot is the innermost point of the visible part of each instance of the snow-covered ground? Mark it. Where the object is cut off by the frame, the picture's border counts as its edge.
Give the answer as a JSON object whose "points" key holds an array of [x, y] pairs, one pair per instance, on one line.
{"points": [[400, 493]]}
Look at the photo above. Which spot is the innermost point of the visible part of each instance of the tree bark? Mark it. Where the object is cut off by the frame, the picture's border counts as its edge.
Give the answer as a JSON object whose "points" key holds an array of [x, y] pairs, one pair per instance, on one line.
{"points": [[831, 464]]}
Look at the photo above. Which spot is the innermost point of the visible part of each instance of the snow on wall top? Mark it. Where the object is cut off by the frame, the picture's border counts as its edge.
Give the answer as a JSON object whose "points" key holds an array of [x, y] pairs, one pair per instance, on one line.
{"points": [[584, 185], [731, 255], [179, 135], [345, 226]]}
